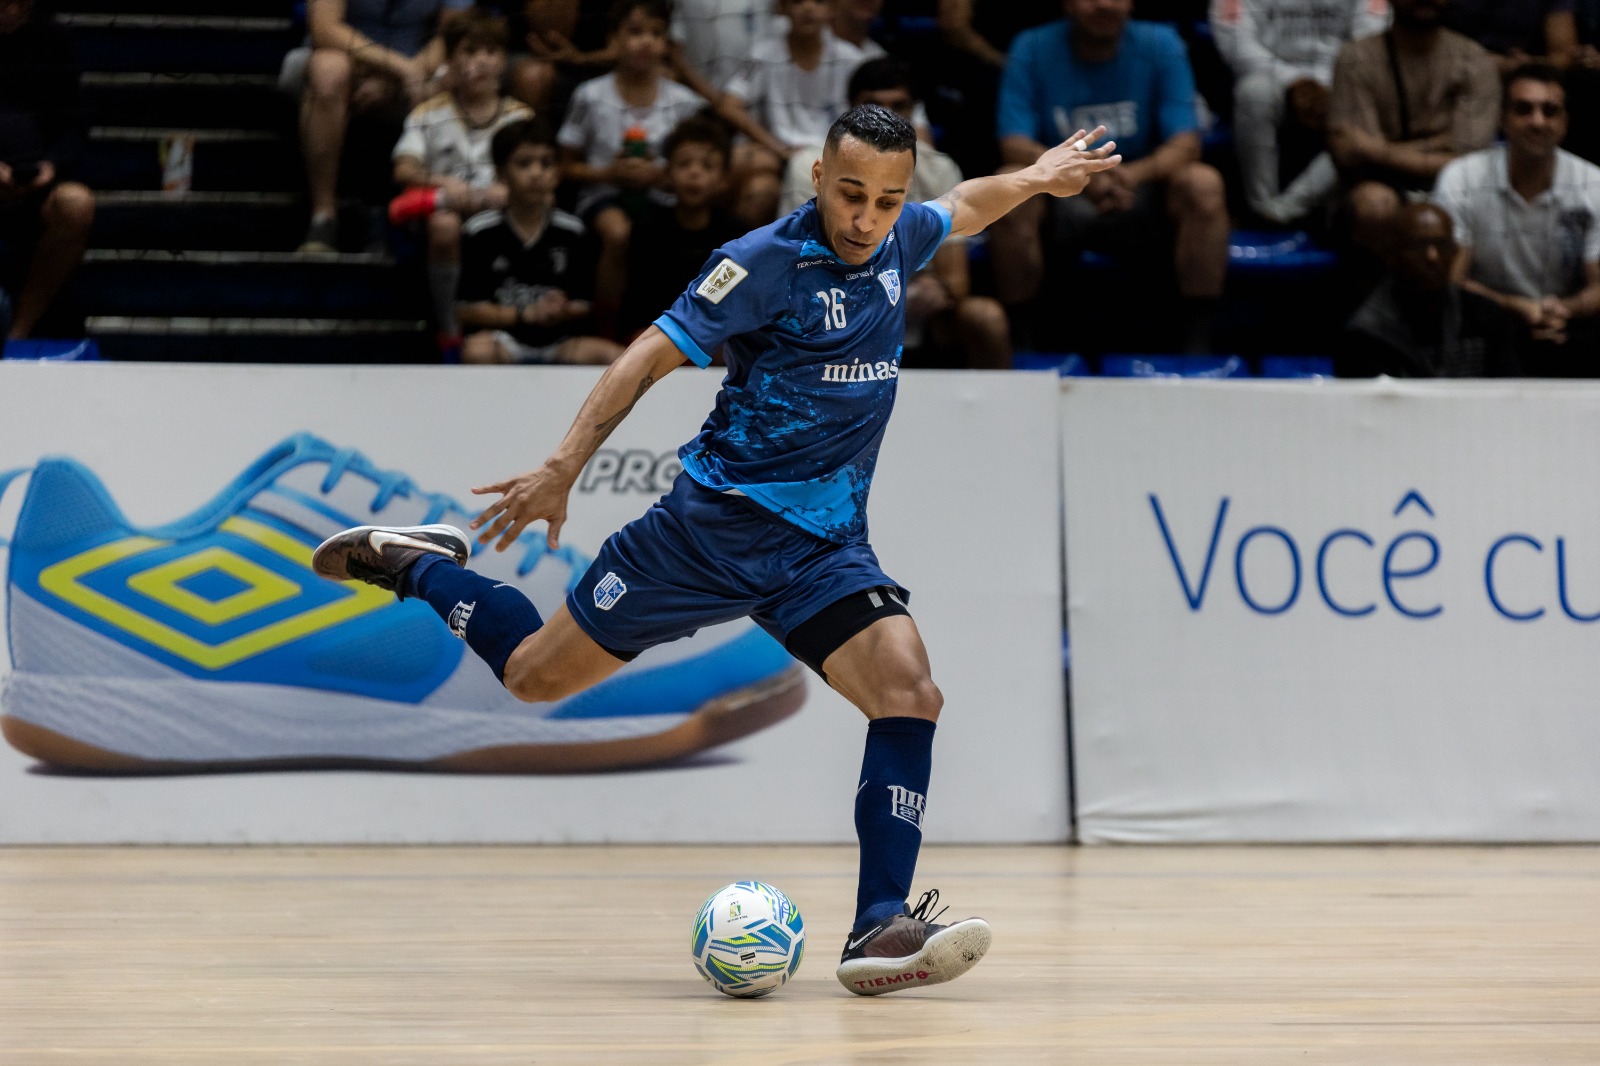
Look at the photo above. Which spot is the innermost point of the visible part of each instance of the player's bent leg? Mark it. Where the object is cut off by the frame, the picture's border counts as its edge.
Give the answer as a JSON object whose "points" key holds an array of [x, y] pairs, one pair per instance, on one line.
{"points": [[883, 669], [557, 661]]}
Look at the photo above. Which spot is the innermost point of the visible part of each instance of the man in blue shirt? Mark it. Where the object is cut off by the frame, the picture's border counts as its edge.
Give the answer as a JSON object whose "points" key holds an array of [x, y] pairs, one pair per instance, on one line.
{"points": [[768, 519], [1095, 68]]}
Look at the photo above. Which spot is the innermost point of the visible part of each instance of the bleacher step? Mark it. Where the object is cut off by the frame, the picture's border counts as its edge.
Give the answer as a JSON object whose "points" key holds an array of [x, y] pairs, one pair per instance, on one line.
{"points": [[225, 160], [267, 340], [180, 43], [227, 101]]}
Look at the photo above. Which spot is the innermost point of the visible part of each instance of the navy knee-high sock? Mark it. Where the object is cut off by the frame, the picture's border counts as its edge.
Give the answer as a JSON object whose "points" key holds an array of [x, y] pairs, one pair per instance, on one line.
{"points": [[493, 618], [889, 803]]}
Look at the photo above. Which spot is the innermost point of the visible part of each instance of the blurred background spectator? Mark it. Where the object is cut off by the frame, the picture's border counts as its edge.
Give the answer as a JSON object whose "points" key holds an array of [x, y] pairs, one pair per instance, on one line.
{"points": [[1527, 218], [1097, 68], [1419, 324], [1405, 103], [1282, 54], [364, 57], [44, 218]]}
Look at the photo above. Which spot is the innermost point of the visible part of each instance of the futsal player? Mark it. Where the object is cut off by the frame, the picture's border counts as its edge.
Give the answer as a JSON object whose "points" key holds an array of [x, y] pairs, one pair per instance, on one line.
{"points": [[769, 518]]}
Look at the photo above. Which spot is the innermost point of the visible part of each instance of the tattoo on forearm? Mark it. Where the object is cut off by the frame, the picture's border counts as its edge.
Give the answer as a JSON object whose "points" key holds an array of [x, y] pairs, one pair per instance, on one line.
{"points": [[605, 428]]}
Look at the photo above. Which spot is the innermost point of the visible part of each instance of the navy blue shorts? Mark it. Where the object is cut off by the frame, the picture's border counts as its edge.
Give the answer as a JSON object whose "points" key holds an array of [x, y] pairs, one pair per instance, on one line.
{"points": [[699, 557]]}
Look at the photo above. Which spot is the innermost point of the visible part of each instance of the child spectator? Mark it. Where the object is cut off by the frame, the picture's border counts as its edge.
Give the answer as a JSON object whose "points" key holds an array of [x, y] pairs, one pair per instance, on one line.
{"points": [[443, 154], [793, 86], [527, 272], [670, 245], [611, 141]]}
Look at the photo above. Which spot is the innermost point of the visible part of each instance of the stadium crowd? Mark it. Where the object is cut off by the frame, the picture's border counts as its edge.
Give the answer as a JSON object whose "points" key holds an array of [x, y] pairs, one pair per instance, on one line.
{"points": [[561, 169]]}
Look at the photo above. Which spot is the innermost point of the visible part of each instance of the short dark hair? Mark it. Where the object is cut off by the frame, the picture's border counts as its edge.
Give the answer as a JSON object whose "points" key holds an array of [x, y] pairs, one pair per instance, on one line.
{"points": [[699, 129], [880, 75], [513, 135], [1537, 70], [876, 127], [621, 9], [475, 26]]}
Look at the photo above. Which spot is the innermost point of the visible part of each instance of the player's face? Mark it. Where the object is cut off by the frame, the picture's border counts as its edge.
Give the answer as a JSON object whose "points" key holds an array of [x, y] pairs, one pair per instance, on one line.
{"points": [[808, 17], [531, 175], [477, 68], [899, 100], [860, 192], [1425, 247], [1100, 20], [696, 173], [1536, 116], [641, 41]]}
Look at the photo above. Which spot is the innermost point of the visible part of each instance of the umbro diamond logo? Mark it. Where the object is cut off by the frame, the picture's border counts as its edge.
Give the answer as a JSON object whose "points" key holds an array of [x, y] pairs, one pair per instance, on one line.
{"points": [[608, 591]]}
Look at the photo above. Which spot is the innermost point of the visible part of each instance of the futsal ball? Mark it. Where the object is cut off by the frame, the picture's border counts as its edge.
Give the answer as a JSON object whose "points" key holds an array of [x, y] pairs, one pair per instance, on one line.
{"points": [[748, 939]]}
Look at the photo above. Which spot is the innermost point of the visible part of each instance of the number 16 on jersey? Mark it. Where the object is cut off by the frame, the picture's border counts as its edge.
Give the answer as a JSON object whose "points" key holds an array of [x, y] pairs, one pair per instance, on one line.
{"points": [[833, 308]]}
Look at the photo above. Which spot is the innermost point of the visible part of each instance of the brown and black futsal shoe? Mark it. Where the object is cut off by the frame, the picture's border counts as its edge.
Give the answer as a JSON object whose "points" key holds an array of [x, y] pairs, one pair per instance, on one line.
{"points": [[381, 555], [909, 951]]}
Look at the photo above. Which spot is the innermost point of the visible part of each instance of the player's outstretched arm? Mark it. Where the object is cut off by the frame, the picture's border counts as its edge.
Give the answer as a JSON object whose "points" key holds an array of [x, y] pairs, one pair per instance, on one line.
{"points": [[542, 494], [1061, 171]]}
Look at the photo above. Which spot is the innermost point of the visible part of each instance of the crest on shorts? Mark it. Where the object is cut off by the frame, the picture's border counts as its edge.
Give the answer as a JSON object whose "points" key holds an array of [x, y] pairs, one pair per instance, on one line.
{"points": [[608, 591], [890, 280]]}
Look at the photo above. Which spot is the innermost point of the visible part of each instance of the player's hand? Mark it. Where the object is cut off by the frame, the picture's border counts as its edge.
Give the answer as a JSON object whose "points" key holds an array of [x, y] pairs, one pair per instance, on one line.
{"points": [[1067, 168], [536, 496]]}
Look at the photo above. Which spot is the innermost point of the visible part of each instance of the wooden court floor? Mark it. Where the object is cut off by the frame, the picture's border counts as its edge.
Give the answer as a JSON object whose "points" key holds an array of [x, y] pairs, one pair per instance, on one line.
{"points": [[565, 955]]}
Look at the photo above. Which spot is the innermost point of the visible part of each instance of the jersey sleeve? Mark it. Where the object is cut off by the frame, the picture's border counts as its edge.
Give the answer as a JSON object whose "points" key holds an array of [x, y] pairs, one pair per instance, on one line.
{"points": [[923, 227], [1175, 91], [576, 130], [741, 289], [413, 141], [1016, 112]]}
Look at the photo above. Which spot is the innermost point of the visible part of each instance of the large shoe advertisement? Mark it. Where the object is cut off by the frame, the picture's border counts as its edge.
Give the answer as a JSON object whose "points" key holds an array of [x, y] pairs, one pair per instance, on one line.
{"points": [[174, 671]]}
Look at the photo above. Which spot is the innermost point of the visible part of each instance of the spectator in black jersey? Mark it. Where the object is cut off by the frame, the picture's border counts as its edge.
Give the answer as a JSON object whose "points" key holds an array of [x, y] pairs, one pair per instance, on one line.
{"points": [[528, 272], [670, 245], [44, 220]]}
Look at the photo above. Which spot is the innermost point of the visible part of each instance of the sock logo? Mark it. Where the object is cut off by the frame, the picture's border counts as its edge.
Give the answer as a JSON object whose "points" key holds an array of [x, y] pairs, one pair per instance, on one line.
{"points": [[460, 615], [608, 591], [907, 805]]}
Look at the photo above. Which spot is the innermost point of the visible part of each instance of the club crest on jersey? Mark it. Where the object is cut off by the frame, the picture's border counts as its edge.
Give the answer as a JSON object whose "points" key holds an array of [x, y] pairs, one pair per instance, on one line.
{"points": [[608, 591], [890, 280], [721, 281]]}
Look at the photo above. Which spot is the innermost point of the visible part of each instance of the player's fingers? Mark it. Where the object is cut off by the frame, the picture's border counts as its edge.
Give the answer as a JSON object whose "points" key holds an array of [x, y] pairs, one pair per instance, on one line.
{"points": [[500, 522], [1103, 151], [1097, 165], [509, 537], [553, 535], [488, 512], [498, 486]]}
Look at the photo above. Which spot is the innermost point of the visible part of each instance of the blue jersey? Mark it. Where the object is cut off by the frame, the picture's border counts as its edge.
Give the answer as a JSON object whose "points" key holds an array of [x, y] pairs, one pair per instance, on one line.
{"points": [[813, 348], [1143, 96]]}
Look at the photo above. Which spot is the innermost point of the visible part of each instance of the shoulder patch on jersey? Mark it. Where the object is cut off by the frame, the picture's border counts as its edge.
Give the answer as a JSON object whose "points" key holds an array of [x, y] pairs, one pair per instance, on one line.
{"points": [[722, 280], [482, 221], [566, 221]]}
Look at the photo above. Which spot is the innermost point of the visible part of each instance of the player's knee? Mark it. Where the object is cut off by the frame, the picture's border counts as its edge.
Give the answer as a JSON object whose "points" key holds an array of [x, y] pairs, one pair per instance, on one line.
{"points": [[1200, 192], [613, 226], [536, 686], [328, 73], [909, 696], [70, 207], [983, 315], [480, 348], [1372, 201]]}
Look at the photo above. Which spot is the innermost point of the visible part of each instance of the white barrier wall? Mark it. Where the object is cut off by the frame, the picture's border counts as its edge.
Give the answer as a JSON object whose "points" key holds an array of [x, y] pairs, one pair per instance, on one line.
{"points": [[1352, 611], [964, 513]]}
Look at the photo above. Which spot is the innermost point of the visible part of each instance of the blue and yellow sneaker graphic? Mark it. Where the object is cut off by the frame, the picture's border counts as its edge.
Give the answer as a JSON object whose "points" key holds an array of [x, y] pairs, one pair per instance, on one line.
{"points": [[210, 643]]}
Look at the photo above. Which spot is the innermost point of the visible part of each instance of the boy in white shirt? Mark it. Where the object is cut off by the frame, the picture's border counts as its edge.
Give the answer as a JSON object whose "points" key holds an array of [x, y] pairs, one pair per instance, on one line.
{"points": [[443, 153], [611, 140]]}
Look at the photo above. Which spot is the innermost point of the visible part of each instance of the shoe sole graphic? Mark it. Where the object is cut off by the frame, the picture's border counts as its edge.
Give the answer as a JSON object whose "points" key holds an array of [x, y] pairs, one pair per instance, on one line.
{"points": [[721, 721], [211, 643], [945, 956]]}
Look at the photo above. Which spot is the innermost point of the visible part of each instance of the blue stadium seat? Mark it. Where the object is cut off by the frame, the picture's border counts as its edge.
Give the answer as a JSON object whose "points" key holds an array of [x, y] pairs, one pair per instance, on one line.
{"points": [[1174, 366], [1277, 252], [1067, 364], [1296, 366], [59, 351]]}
